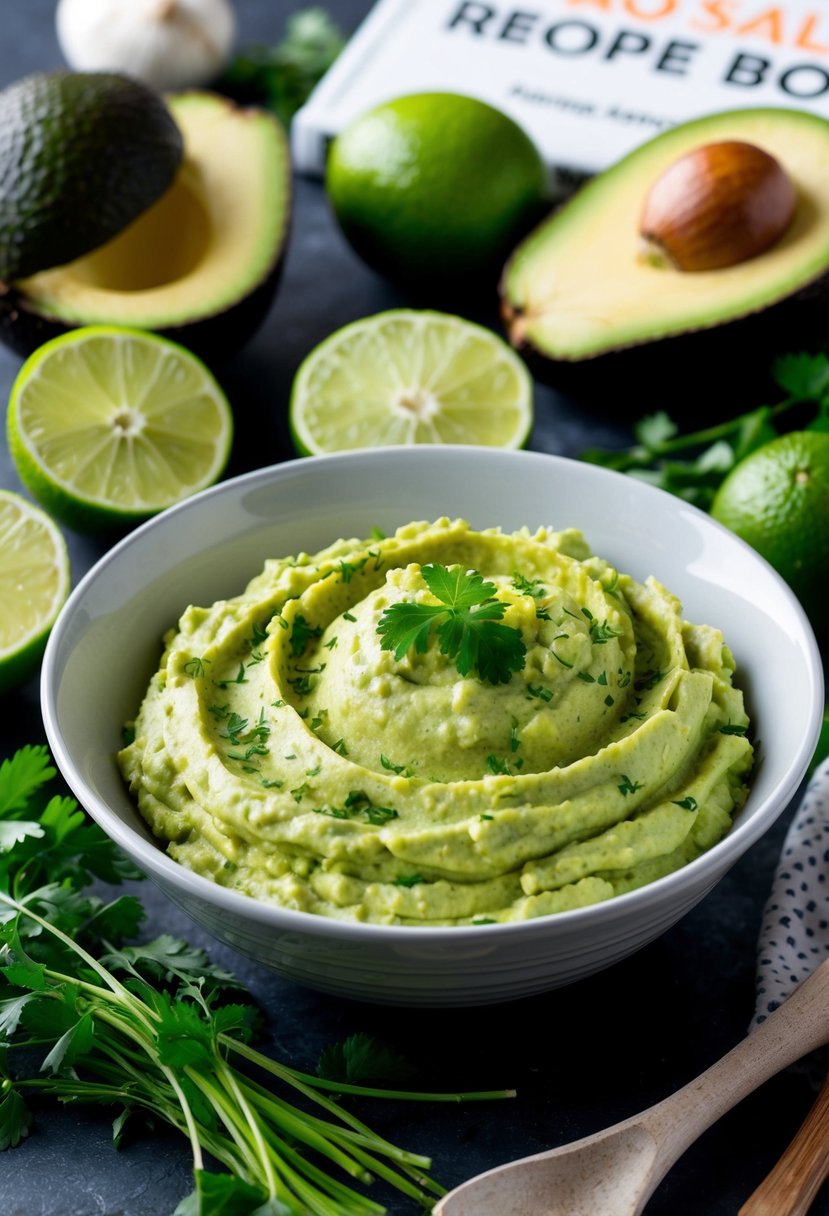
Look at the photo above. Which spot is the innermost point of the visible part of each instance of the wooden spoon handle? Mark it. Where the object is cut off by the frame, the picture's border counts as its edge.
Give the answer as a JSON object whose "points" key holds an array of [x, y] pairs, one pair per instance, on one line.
{"points": [[790, 1187]]}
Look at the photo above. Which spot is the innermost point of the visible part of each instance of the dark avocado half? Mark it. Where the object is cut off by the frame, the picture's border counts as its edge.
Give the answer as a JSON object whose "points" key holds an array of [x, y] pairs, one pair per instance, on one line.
{"points": [[200, 265], [591, 314], [82, 154]]}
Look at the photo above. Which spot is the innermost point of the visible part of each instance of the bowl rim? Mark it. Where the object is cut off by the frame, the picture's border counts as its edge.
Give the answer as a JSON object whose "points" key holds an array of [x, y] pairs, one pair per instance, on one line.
{"points": [[173, 876]]}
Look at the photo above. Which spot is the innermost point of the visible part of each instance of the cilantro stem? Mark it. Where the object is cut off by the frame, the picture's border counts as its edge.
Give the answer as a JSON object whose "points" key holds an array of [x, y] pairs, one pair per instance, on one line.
{"points": [[253, 1127], [306, 1130], [680, 443], [302, 1079], [136, 1036]]}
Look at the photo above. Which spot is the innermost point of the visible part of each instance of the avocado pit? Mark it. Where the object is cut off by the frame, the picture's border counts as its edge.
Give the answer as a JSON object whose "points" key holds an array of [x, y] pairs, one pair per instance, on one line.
{"points": [[717, 206]]}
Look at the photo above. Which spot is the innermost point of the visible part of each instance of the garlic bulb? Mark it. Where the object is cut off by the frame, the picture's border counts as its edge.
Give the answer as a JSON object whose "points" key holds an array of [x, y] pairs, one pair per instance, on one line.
{"points": [[169, 44]]}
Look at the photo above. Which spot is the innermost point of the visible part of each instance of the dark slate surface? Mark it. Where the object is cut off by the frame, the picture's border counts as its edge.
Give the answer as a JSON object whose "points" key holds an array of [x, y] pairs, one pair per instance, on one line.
{"points": [[580, 1057]]}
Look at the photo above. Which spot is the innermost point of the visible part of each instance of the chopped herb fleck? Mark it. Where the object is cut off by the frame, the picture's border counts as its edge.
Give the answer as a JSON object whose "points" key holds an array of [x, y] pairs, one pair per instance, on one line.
{"points": [[484, 920], [195, 667], [528, 586], [235, 725], [239, 678], [612, 587], [408, 880], [627, 786], [331, 643], [542, 694], [300, 791], [333, 812], [349, 569], [253, 749], [563, 662], [392, 768], [339, 747], [687, 804], [358, 803], [602, 678], [586, 676], [259, 635], [733, 728], [347, 616], [600, 633], [498, 767], [272, 783], [301, 634], [608, 700], [313, 772], [514, 741], [486, 815]]}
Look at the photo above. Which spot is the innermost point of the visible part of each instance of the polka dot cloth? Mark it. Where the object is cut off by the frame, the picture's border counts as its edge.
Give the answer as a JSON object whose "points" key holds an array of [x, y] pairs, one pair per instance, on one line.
{"points": [[794, 937]]}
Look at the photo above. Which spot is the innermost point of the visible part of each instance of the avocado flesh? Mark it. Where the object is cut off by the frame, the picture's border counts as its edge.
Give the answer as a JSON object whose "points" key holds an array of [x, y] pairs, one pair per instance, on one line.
{"points": [[578, 287], [211, 240]]}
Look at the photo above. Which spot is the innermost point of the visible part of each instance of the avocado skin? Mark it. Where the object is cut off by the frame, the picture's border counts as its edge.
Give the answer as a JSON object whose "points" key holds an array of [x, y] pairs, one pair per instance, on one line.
{"points": [[82, 154], [214, 338], [698, 376]]}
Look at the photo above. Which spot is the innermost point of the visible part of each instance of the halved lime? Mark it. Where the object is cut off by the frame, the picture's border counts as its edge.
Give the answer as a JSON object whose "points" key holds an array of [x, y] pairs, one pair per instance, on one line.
{"points": [[109, 425], [410, 376], [34, 582]]}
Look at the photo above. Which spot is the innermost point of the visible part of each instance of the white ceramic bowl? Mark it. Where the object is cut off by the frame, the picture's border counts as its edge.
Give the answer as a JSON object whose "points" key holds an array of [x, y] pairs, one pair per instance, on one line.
{"points": [[106, 644]]}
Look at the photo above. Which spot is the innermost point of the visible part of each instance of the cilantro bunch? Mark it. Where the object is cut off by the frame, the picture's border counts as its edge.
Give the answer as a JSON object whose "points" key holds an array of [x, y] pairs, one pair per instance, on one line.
{"points": [[157, 1030], [693, 466]]}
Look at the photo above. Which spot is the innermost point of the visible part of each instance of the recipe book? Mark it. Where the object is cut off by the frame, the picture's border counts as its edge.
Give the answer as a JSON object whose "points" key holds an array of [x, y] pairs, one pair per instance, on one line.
{"points": [[588, 79]]}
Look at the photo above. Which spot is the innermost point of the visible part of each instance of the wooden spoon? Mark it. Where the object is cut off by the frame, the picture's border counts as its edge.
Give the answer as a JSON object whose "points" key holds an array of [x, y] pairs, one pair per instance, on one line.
{"points": [[790, 1188], [615, 1171]]}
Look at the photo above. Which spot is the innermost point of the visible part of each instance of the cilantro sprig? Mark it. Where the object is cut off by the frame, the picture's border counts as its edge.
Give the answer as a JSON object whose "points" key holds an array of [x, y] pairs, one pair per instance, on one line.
{"points": [[281, 77], [156, 1030], [693, 466], [466, 623]]}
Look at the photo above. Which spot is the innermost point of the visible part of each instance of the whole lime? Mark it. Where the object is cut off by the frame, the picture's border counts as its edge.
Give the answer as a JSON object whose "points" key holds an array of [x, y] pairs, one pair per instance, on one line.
{"points": [[435, 187], [777, 499]]}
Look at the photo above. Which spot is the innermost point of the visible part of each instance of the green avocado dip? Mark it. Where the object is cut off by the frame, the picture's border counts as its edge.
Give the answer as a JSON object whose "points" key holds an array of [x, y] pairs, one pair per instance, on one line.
{"points": [[441, 727]]}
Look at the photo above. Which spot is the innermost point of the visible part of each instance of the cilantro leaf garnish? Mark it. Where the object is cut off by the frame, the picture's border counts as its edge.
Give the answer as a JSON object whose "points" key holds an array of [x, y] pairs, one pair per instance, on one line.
{"points": [[466, 622]]}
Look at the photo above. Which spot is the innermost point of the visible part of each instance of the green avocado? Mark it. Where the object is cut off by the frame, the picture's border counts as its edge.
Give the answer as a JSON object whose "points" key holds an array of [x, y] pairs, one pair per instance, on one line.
{"points": [[200, 265], [578, 290], [81, 156]]}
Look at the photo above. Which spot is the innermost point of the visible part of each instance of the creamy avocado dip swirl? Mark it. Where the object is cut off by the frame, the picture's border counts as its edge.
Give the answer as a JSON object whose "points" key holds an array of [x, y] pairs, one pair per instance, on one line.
{"points": [[283, 752]]}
